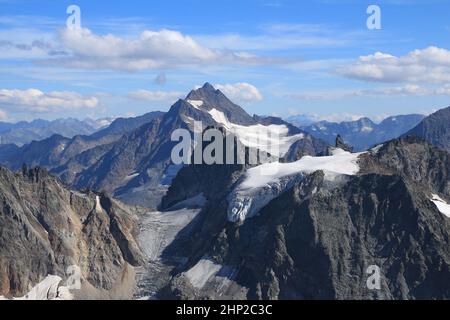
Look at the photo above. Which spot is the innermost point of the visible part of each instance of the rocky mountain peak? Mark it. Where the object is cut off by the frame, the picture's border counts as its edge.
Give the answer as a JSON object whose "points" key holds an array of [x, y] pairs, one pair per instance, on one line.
{"points": [[207, 98], [206, 93]]}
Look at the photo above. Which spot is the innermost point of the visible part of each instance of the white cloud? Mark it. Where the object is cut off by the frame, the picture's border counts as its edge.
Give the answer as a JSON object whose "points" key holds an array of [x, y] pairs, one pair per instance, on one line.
{"points": [[33, 100], [151, 50], [3, 115], [241, 92], [444, 90], [154, 95], [430, 65], [340, 117]]}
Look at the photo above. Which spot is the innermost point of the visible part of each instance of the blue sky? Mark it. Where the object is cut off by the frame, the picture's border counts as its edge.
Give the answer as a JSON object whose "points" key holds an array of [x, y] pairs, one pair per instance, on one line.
{"points": [[273, 57]]}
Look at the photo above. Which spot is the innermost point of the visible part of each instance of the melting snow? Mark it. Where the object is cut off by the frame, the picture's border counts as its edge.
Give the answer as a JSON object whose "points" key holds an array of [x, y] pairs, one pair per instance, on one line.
{"points": [[341, 162], [264, 183], [130, 177], [201, 272], [206, 271], [272, 139], [442, 206], [195, 103], [48, 289], [98, 206], [376, 148]]}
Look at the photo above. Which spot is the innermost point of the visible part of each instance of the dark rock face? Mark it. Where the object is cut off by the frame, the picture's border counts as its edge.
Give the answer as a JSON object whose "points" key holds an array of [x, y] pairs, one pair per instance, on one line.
{"points": [[122, 126], [318, 239], [320, 246], [413, 159], [363, 133], [341, 145], [435, 129], [45, 228]]}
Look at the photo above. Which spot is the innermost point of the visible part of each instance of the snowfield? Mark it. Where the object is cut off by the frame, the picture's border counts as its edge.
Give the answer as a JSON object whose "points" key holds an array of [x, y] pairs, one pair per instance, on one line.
{"points": [[442, 206], [266, 182], [273, 139], [341, 162], [207, 272], [201, 272], [48, 289], [195, 103]]}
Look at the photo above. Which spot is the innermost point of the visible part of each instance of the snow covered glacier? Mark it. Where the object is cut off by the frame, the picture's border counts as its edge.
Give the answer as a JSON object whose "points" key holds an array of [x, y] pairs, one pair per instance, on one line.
{"points": [[266, 182]]}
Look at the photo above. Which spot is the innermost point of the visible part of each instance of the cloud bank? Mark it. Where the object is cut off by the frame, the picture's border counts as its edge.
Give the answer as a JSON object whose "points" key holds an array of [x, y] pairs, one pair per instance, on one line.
{"points": [[161, 49], [240, 92], [34, 100], [429, 65]]}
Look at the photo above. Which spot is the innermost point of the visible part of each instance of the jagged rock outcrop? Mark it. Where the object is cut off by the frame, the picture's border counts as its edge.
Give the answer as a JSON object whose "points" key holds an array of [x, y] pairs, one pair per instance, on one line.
{"points": [[342, 145], [318, 239], [46, 228]]}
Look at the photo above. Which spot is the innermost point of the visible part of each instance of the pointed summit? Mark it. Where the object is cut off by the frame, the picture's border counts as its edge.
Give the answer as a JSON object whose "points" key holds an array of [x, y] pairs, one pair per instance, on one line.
{"points": [[204, 93], [208, 98], [209, 87]]}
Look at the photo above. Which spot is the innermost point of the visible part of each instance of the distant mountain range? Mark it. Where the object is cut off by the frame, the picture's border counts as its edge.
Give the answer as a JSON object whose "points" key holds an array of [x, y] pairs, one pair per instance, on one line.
{"points": [[23, 132], [363, 133], [301, 120]]}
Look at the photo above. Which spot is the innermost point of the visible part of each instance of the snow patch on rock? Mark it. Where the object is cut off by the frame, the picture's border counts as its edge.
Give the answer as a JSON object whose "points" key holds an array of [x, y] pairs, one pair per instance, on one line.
{"points": [[98, 205], [340, 162], [266, 182], [442, 206], [376, 149], [273, 139], [48, 289], [206, 271], [195, 103]]}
